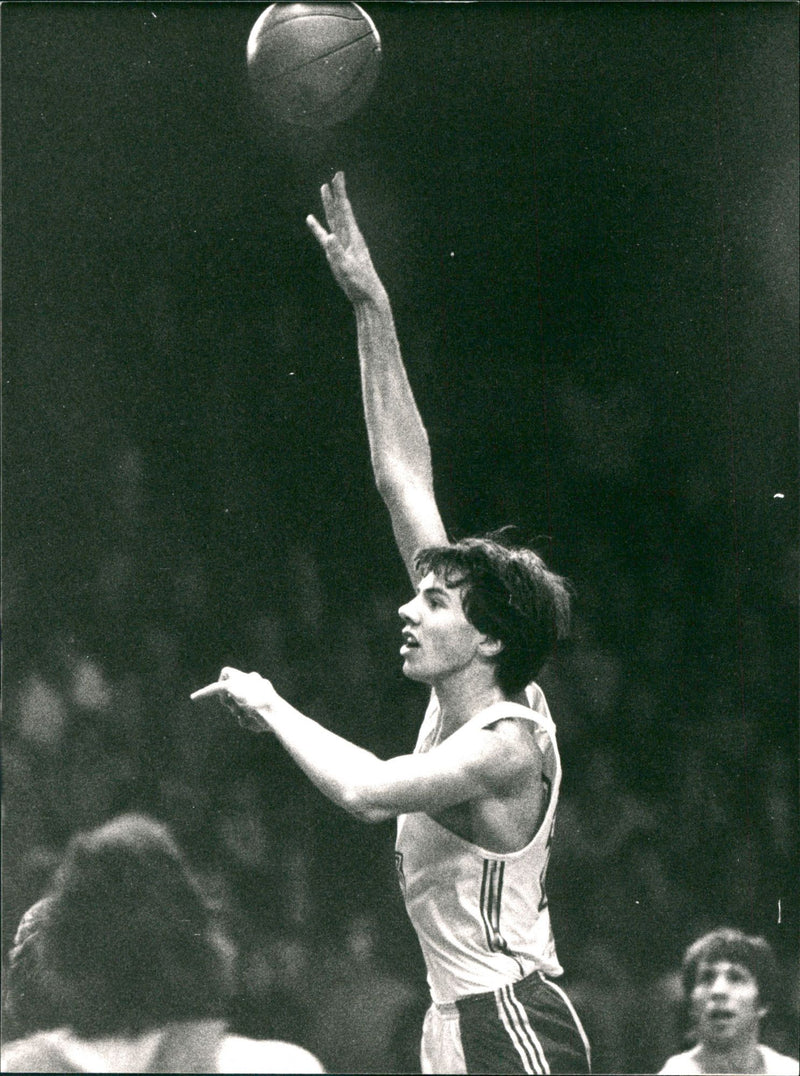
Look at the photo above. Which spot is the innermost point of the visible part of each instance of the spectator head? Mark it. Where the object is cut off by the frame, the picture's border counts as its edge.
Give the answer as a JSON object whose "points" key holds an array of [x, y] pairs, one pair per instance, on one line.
{"points": [[129, 939]]}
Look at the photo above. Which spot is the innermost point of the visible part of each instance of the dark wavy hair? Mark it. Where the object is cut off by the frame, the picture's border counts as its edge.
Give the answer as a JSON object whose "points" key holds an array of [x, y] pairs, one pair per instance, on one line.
{"points": [[728, 944], [130, 941], [509, 594]]}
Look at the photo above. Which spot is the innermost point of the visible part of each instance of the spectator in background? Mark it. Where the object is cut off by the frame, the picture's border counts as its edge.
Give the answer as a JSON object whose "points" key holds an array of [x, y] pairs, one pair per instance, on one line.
{"points": [[29, 1004], [361, 1004], [131, 974], [729, 981]]}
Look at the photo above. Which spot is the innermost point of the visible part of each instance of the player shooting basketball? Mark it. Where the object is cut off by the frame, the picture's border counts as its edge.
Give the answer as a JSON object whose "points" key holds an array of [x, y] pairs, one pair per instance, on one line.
{"points": [[475, 803]]}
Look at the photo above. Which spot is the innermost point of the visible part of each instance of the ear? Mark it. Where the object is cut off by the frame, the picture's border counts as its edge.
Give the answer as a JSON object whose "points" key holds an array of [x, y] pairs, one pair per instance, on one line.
{"points": [[489, 647]]}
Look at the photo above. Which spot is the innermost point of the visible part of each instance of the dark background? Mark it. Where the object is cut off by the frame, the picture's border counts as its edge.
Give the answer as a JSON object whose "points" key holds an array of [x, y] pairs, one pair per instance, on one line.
{"points": [[586, 216]]}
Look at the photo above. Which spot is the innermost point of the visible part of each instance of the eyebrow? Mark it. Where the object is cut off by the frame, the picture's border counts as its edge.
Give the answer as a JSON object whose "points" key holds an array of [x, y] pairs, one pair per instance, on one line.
{"points": [[435, 591]]}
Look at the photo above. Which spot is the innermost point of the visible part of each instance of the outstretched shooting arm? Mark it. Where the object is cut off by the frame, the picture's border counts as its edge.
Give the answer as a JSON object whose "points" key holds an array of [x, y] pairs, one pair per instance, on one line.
{"points": [[399, 449]]}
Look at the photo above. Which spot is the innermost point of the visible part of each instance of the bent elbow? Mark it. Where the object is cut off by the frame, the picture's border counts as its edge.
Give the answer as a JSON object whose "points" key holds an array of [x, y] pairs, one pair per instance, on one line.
{"points": [[361, 806], [372, 815]]}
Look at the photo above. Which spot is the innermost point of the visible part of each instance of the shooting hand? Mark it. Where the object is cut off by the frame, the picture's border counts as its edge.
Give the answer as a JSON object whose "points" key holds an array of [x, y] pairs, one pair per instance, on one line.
{"points": [[344, 246]]}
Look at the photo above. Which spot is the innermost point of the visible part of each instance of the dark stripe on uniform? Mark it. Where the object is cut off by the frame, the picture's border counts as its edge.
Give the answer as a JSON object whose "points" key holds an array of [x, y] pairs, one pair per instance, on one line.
{"points": [[487, 899], [528, 1047], [521, 1029], [501, 870], [491, 898]]}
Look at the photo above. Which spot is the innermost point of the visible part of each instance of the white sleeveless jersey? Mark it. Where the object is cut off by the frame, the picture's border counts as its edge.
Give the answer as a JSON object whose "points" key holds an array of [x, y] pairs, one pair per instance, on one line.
{"points": [[481, 917]]}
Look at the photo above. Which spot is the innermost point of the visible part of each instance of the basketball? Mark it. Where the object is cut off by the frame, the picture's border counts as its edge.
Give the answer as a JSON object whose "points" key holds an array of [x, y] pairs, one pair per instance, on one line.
{"points": [[312, 64]]}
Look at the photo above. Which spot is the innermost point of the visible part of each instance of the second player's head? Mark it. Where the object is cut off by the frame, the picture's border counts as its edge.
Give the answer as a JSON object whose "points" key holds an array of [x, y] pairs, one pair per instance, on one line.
{"points": [[731, 946], [508, 594], [729, 982]]}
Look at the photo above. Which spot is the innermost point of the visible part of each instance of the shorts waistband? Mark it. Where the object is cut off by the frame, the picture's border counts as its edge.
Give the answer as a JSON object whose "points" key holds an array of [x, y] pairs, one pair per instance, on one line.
{"points": [[449, 1009]]}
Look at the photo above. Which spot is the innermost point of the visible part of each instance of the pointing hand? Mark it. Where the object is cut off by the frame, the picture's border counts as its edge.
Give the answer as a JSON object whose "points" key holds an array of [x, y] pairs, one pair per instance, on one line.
{"points": [[247, 695]]}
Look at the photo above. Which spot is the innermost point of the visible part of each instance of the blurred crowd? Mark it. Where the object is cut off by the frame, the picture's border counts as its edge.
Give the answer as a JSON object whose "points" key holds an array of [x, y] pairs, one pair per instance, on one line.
{"points": [[670, 823]]}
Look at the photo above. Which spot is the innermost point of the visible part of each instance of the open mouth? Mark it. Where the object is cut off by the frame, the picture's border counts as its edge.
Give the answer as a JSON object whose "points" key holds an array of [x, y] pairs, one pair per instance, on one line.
{"points": [[409, 642], [720, 1016]]}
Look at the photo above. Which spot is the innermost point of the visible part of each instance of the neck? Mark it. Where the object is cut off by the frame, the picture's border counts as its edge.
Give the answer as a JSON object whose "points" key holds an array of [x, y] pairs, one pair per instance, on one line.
{"points": [[739, 1057], [461, 697]]}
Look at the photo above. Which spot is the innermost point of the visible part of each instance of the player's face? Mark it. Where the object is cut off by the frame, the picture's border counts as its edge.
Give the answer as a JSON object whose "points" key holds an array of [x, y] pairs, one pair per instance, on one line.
{"points": [[438, 640], [725, 1004]]}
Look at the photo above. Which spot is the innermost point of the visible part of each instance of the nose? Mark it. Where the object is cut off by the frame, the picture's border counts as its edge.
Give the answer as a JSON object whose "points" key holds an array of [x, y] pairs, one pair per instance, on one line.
{"points": [[407, 612], [719, 984]]}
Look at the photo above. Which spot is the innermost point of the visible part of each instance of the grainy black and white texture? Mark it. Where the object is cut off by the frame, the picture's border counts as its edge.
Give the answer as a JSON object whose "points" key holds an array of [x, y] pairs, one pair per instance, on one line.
{"points": [[586, 217]]}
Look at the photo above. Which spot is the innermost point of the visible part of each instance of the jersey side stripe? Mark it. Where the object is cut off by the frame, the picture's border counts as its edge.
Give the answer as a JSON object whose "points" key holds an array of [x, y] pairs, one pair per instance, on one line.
{"points": [[491, 890], [491, 896], [498, 897], [525, 1042], [490, 904], [584, 1038], [485, 899]]}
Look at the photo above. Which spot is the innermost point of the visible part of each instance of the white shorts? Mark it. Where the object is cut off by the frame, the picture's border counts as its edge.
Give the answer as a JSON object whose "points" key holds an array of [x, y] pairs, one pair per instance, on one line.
{"points": [[441, 1049]]}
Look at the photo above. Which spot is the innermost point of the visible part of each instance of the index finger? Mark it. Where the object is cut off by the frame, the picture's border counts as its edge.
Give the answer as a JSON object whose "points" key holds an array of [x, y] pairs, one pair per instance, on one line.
{"points": [[217, 688]]}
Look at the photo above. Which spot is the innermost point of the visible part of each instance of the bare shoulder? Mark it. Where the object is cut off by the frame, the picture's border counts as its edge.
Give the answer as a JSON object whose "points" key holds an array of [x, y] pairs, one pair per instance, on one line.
{"points": [[39, 1052], [508, 819], [518, 735], [506, 751], [243, 1055], [779, 1063]]}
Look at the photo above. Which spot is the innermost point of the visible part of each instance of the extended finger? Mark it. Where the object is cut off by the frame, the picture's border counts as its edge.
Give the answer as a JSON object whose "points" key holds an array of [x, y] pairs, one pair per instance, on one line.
{"points": [[344, 209], [315, 226], [218, 688], [336, 209], [329, 205]]}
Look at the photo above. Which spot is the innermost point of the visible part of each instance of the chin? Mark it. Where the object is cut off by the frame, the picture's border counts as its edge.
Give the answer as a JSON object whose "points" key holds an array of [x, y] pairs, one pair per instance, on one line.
{"points": [[414, 674], [719, 1038]]}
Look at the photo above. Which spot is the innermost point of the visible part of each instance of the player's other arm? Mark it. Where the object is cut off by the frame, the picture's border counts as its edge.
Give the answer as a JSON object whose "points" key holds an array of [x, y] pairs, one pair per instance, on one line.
{"points": [[399, 448], [470, 764]]}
